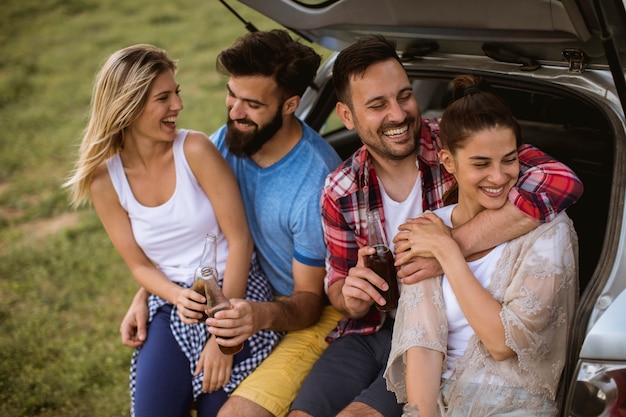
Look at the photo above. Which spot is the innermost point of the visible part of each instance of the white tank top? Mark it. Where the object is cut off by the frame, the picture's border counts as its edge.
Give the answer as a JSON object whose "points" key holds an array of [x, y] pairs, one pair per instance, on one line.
{"points": [[172, 235]]}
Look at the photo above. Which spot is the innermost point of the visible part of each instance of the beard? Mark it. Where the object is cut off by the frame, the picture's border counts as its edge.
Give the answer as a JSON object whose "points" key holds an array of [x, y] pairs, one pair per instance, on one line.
{"points": [[246, 144], [392, 151]]}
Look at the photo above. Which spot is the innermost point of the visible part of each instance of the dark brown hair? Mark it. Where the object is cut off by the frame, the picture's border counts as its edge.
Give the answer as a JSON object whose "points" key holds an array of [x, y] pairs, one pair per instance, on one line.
{"points": [[474, 108], [272, 54], [356, 59]]}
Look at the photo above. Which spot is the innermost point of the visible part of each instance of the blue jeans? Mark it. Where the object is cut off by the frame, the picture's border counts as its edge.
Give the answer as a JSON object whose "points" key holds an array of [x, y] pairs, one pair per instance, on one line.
{"points": [[163, 386]]}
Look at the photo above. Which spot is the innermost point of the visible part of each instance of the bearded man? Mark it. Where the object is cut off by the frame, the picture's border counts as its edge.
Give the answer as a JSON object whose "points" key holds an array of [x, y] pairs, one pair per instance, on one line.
{"points": [[280, 164]]}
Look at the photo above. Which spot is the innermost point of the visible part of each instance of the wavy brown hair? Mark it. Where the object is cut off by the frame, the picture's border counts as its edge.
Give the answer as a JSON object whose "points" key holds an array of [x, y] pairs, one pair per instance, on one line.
{"points": [[473, 108]]}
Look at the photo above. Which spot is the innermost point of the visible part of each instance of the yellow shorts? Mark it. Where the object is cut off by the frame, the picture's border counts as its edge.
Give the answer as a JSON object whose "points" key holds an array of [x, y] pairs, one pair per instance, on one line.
{"points": [[275, 383]]}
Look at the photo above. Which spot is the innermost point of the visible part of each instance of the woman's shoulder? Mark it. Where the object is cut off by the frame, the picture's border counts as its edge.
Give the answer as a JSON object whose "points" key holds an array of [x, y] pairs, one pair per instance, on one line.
{"points": [[193, 137], [561, 224], [558, 233], [198, 150], [100, 174], [445, 214], [196, 142], [101, 180]]}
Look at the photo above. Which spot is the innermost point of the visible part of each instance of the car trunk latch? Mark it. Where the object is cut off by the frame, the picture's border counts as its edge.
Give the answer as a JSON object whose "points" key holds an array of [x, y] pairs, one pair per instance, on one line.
{"points": [[576, 58]]}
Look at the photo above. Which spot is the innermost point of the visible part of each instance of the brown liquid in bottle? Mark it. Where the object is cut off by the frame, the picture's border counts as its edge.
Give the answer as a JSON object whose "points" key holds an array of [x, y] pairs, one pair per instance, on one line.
{"points": [[198, 286], [206, 283], [382, 263], [226, 350]]}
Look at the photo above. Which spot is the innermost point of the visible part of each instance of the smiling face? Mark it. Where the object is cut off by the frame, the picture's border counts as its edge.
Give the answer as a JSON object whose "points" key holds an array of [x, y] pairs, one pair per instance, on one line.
{"points": [[383, 111], [485, 167], [254, 113], [163, 103]]}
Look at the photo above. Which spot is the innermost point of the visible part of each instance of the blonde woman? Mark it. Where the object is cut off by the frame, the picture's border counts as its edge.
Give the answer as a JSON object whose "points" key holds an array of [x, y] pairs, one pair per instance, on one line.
{"points": [[158, 191]]}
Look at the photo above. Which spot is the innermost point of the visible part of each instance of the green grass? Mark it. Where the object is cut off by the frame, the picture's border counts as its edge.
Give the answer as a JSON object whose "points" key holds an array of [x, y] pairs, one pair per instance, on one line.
{"points": [[64, 291]]}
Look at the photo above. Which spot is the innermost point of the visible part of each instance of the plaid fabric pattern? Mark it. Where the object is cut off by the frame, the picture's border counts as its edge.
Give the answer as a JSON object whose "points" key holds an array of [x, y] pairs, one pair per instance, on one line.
{"points": [[192, 337], [545, 188]]}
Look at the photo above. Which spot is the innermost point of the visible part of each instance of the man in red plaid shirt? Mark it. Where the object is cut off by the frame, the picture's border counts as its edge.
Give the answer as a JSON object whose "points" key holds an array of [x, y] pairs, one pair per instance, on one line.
{"points": [[376, 99]]}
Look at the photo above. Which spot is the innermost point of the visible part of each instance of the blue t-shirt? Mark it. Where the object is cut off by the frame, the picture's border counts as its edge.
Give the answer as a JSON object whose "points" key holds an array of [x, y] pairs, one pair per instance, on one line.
{"points": [[282, 204]]}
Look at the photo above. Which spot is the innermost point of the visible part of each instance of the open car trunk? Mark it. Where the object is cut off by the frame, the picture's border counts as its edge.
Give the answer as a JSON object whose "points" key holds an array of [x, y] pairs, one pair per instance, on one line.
{"points": [[559, 64], [582, 132]]}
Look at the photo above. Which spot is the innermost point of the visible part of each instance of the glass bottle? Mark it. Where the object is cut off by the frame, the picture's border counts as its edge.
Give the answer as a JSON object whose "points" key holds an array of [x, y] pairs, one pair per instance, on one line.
{"points": [[382, 261], [410, 410], [206, 283]]}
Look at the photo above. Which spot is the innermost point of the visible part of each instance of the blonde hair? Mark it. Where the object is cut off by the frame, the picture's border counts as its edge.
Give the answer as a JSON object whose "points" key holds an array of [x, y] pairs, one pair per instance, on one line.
{"points": [[119, 95]]}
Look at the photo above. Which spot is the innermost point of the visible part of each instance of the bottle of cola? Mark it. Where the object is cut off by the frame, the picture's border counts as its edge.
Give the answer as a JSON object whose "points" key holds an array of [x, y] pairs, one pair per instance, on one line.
{"points": [[382, 261], [206, 283]]}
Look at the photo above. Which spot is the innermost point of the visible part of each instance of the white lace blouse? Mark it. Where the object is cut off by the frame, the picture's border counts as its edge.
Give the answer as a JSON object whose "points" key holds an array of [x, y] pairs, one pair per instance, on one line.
{"points": [[536, 281]]}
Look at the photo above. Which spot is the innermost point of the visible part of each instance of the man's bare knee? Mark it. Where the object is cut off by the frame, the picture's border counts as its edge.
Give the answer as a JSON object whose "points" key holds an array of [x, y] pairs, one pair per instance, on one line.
{"points": [[238, 406], [356, 409]]}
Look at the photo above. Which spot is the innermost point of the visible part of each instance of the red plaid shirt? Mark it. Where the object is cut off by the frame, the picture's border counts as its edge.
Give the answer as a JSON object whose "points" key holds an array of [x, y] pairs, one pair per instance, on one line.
{"points": [[545, 187]]}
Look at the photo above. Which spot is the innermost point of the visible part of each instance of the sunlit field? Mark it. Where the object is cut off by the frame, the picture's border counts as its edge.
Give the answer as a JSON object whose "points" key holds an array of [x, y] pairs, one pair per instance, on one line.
{"points": [[63, 288]]}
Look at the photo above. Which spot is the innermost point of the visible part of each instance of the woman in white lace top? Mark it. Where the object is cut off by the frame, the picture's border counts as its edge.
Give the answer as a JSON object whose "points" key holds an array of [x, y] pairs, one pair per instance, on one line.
{"points": [[488, 338]]}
